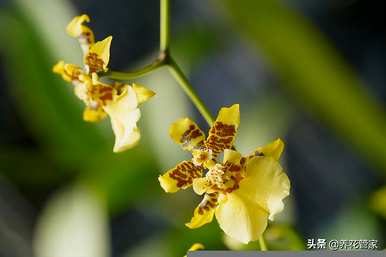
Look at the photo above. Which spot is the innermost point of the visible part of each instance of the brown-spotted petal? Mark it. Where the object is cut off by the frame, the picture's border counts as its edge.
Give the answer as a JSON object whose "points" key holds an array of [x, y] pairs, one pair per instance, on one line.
{"points": [[273, 149], [69, 72], [180, 177], [186, 133], [223, 132], [98, 56], [204, 212]]}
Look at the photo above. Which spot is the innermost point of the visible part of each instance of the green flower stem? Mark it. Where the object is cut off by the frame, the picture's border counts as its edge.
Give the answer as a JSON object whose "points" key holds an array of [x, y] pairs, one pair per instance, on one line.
{"points": [[135, 74], [174, 69], [180, 77], [164, 25], [263, 246], [165, 59]]}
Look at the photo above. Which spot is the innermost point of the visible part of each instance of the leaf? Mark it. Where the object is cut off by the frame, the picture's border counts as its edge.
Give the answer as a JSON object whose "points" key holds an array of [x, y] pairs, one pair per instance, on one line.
{"points": [[74, 223]]}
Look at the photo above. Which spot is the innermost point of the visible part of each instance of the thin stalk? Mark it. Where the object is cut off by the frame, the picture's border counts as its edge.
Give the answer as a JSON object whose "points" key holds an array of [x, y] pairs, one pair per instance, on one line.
{"points": [[180, 77], [164, 25], [166, 59], [117, 75], [263, 246]]}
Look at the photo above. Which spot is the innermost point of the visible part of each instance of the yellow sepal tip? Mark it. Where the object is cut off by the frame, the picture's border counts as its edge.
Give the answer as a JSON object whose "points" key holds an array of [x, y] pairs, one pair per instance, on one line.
{"points": [[74, 28], [58, 67], [143, 93]]}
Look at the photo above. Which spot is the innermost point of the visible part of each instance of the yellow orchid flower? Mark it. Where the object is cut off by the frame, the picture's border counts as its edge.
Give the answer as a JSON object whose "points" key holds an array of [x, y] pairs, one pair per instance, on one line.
{"points": [[195, 247], [117, 100], [242, 192], [186, 133]]}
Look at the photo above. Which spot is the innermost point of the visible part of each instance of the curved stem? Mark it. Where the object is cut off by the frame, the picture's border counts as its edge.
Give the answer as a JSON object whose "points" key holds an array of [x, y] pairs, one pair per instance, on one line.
{"points": [[165, 59], [135, 74], [263, 246], [180, 77], [164, 25]]}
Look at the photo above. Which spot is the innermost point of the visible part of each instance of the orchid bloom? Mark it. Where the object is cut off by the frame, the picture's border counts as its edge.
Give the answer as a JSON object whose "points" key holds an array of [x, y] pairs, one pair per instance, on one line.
{"points": [[242, 192], [117, 100]]}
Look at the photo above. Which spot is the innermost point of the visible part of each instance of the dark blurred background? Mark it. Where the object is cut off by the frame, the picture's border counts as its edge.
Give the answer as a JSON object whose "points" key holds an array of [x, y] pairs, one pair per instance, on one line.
{"points": [[310, 72]]}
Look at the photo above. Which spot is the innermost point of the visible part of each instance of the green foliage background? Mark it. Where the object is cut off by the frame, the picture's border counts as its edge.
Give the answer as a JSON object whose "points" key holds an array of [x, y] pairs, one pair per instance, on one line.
{"points": [[72, 153]]}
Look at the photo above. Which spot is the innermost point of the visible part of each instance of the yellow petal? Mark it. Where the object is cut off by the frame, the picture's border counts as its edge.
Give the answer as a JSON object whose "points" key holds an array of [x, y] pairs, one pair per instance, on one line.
{"points": [[231, 156], [58, 67], [266, 184], [204, 212], [229, 115], [273, 149], [200, 185], [69, 72], [92, 115], [195, 247], [223, 132], [98, 56], [83, 33], [124, 115], [187, 134], [202, 156], [74, 28], [240, 218], [180, 177], [143, 94]]}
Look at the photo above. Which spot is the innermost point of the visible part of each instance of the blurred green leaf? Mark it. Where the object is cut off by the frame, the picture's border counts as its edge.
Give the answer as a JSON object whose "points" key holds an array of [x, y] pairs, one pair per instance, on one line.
{"points": [[168, 105], [49, 18], [283, 237], [191, 48], [378, 201], [264, 121], [314, 73], [74, 223], [179, 241], [28, 168], [354, 222], [153, 247], [277, 237], [124, 179]]}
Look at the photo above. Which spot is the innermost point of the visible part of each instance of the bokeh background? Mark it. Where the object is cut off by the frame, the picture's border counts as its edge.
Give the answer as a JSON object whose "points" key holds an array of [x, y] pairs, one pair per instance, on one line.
{"points": [[310, 72]]}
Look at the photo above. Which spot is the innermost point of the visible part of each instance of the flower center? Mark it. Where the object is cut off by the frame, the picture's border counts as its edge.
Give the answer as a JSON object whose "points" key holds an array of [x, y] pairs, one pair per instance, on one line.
{"points": [[218, 176], [225, 177], [93, 63], [201, 156]]}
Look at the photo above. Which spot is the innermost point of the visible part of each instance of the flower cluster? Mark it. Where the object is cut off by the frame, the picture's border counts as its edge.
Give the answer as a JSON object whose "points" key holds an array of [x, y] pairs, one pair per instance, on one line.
{"points": [[118, 100], [243, 192]]}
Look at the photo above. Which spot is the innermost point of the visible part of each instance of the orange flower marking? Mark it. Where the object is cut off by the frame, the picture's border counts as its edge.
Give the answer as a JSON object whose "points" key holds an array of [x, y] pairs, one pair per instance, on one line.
{"points": [[209, 202], [185, 172], [221, 137], [94, 63]]}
